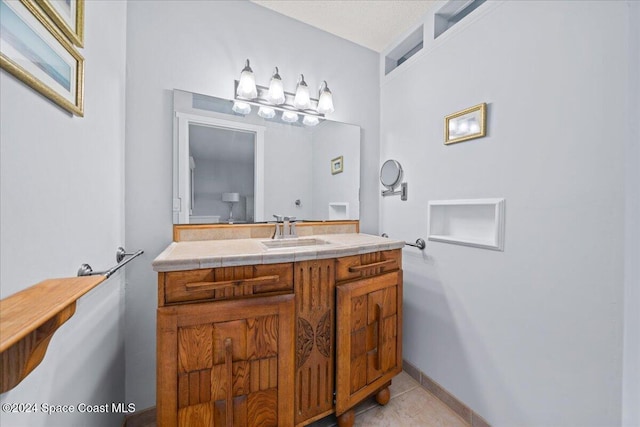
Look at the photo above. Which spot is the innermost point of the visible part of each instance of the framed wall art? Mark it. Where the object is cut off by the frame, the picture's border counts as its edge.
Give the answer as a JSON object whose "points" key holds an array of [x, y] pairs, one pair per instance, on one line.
{"points": [[33, 51], [68, 15], [466, 124]]}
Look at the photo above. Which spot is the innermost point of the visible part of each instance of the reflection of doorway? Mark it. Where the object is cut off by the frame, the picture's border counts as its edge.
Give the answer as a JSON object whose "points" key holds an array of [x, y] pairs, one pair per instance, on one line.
{"points": [[219, 157], [224, 163]]}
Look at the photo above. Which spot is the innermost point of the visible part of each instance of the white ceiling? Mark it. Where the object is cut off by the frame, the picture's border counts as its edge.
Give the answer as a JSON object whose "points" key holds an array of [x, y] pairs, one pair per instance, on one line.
{"points": [[370, 23]]}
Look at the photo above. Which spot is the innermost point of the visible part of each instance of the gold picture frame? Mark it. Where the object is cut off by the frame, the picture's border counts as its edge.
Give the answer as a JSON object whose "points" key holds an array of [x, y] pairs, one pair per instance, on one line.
{"points": [[467, 124], [33, 51], [337, 165], [68, 17]]}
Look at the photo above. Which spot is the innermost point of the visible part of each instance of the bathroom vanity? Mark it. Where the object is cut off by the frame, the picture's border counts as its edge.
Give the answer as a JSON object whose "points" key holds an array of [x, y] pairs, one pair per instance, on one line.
{"points": [[256, 331]]}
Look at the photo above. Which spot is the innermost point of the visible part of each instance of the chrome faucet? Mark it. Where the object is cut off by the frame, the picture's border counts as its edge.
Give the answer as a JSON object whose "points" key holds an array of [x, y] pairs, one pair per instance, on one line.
{"points": [[285, 227], [292, 227]]}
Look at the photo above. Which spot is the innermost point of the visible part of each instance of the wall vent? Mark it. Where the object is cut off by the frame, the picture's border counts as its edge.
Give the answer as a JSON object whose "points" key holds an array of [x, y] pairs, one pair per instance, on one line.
{"points": [[404, 50], [452, 13]]}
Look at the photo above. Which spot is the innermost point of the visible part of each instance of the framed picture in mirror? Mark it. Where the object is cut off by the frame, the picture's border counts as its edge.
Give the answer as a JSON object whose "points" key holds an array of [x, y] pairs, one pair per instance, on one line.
{"points": [[467, 124], [337, 165]]}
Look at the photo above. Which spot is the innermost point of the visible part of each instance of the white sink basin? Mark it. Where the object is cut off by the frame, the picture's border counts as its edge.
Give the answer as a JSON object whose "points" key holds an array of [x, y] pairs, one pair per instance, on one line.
{"points": [[293, 243]]}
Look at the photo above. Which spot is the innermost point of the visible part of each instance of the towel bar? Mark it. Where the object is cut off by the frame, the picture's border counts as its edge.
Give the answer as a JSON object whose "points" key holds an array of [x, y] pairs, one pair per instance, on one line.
{"points": [[86, 270], [420, 243]]}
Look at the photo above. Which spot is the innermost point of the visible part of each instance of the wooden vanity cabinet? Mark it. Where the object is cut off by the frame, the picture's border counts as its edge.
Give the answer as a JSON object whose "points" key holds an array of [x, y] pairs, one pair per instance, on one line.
{"points": [[369, 337], [225, 346], [368, 329], [297, 341]]}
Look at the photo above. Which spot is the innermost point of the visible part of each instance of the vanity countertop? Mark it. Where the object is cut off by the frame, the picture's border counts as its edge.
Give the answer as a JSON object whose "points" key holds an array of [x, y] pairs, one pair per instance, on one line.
{"points": [[228, 253]]}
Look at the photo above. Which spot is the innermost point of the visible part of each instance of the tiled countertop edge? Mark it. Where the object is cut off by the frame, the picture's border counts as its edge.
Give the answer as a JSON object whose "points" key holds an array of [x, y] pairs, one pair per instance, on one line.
{"points": [[164, 263]]}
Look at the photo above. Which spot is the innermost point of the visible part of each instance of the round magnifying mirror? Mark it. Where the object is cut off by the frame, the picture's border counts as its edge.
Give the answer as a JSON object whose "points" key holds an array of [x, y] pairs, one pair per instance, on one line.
{"points": [[391, 174]]}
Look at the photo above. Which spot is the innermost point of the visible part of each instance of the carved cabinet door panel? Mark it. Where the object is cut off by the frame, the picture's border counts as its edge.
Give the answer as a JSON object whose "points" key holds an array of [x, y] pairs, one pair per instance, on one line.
{"points": [[226, 363], [368, 338], [314, 285]]}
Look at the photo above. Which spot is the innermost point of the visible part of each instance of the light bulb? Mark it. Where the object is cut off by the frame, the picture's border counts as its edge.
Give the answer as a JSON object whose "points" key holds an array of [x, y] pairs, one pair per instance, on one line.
{"points": [[241, 107], [325, 101], [302, 100], [267, 112], [474, 127], [276, 90], [247, 84], [310, 120], [289, 117]]}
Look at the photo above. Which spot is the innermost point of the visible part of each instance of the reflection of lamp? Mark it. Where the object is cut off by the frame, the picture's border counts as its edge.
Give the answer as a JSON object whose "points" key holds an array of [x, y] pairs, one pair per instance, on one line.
{"points": [[267, 112], [309, 120], [289, 117], [241, 107], [231, 198]]}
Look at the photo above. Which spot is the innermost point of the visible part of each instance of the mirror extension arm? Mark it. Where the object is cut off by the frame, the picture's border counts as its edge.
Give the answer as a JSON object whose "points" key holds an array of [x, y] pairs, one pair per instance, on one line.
{"points": [[403, 192]]}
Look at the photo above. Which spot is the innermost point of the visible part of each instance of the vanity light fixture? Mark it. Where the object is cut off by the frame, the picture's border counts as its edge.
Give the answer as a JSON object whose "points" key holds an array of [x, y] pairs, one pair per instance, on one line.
{"points": [[247, 86], [273, 98], [276, 89], [325, 100], [302, 101]]}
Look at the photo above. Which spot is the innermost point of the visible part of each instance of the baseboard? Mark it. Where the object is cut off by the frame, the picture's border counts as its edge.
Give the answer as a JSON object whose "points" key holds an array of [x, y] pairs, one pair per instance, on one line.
{"points": [[144, 418], [455, 404]]}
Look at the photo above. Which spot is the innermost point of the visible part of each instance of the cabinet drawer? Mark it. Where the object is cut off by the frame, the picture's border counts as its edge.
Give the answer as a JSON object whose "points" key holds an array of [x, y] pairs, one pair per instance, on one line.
{"points": [[225, 283], [366, 265]]}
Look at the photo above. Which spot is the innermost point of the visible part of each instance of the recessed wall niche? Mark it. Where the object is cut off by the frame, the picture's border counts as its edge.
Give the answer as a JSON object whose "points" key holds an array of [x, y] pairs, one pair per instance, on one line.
{"points": [[473, 222]]}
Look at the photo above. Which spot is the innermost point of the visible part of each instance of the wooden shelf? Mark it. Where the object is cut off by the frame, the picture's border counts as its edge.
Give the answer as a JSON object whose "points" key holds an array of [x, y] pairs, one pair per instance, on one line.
{"points": [[28, 320]]}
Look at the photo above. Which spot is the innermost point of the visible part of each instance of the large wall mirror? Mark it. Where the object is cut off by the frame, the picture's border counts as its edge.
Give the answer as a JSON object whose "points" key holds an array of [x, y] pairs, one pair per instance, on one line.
{"points": [[232, 168]]}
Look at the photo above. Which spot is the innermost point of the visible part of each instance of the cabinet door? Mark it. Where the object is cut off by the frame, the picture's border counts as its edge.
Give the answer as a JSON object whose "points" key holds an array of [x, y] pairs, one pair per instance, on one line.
{"points": [[315, 346], [226, 363], [369, 337]]}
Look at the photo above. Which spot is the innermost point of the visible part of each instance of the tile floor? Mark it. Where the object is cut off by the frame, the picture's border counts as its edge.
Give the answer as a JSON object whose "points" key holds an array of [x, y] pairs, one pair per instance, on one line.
{"points": [[410, 406]]}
